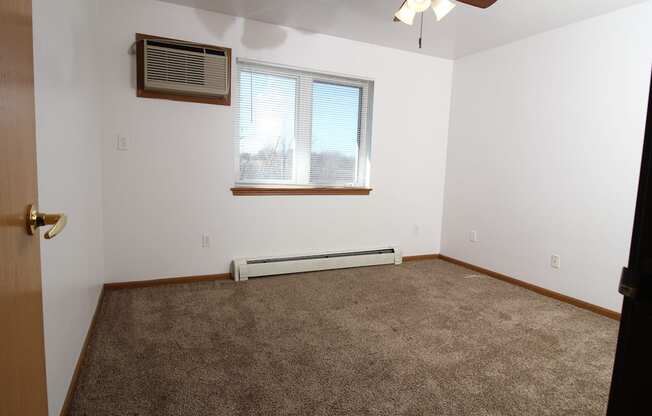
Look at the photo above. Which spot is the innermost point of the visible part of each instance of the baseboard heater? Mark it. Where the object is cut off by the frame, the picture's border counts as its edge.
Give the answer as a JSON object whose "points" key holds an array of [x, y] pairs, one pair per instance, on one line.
{"points": [[243, 269]]}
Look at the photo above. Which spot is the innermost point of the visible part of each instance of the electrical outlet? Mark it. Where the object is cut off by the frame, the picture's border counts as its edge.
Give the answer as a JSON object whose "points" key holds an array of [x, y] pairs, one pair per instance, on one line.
{"points": [[205, 240], [473, 236], [122, 143], [555, 261]]}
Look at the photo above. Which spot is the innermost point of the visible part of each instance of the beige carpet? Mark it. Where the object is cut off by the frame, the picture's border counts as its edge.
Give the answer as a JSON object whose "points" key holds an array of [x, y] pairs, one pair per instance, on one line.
{"points": [[423, 338]]}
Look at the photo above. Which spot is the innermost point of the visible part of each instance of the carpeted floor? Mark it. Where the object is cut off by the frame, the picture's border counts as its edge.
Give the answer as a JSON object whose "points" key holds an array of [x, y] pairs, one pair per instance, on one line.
{"points": [[423, 338]]}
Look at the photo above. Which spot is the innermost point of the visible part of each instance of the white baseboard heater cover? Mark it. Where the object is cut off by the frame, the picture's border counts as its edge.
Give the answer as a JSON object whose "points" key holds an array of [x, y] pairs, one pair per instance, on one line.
{"points": [[243, 269]]}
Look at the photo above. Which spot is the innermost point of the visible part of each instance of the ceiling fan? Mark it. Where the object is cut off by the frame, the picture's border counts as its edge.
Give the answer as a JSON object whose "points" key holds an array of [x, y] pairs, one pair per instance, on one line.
{"points": [[409, 9]]}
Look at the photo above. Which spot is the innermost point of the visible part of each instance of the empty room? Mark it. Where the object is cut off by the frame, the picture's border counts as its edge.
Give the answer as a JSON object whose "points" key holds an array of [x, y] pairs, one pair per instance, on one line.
{"points": [[325, 207]]}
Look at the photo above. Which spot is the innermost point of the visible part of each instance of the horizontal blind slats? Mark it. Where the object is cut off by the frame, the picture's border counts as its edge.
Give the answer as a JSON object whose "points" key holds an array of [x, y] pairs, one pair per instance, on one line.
{"points": [[299, 127]]}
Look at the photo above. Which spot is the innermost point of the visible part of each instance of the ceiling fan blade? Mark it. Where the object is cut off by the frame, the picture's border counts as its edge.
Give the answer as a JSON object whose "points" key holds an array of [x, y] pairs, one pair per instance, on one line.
{"points": [[483, 4]]}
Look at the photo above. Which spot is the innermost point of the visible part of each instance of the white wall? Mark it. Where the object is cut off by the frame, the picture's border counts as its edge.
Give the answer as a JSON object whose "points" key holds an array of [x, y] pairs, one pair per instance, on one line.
{"points": [[69, 179], [544, 152], [173, 182]]}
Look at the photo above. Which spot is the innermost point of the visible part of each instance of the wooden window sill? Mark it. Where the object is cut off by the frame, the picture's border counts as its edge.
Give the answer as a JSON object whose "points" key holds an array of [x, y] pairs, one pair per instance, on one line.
{"points": [[257, 191]]}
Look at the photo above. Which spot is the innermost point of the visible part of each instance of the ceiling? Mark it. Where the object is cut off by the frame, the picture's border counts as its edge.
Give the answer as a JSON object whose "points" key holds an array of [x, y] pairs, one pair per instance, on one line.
{"points": [[466, 29]]}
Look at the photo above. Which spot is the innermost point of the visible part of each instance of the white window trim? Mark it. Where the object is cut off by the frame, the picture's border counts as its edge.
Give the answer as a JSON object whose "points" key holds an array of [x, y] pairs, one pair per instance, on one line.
{"points": [[305, 78]]}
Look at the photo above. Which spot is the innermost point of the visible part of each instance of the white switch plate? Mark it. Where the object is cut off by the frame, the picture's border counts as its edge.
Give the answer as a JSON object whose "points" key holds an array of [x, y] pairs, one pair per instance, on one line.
{"points": [[473, 236], [122, 143], [555, 261]]}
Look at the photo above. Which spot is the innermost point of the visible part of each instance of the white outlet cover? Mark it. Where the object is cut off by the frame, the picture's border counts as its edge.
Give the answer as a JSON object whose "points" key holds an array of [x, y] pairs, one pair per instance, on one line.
{"points": [[122, 143], [555, 261]]}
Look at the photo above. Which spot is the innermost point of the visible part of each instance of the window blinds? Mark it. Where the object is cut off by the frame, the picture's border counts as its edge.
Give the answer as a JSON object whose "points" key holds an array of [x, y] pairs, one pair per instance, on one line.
{"points": [[301, 128]]}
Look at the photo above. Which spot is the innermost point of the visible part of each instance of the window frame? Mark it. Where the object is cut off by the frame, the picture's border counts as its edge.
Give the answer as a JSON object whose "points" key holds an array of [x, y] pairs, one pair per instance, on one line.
{"points": [[300, 183]]}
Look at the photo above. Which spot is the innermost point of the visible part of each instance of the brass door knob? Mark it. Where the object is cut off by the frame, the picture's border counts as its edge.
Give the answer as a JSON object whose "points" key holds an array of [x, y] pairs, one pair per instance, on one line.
{"points": [[37, 219]]}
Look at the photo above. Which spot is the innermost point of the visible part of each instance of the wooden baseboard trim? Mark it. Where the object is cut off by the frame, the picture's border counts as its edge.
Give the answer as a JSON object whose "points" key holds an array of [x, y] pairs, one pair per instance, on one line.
{"points": [[167, 281], [65, 409], [212, 277], [421, 257], [540, 290]]}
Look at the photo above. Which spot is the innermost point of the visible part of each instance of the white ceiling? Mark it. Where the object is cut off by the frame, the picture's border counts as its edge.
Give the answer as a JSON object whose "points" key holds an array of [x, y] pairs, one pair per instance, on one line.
{"points": [[466, 30]]}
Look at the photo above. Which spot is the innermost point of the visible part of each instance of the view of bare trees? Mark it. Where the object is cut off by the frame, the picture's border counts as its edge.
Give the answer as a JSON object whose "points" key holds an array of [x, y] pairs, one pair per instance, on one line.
{"points": [[277, 163], [332, 167], [270, 163]]}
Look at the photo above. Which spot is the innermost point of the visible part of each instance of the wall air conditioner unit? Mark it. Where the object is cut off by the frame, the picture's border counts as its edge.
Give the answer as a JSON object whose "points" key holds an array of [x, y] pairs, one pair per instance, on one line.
{"points": [[243, 269], [185, 71]]}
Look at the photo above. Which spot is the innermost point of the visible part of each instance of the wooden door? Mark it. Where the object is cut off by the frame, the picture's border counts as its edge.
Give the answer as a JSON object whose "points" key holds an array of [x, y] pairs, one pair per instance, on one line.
{"points": [[22, 355]]}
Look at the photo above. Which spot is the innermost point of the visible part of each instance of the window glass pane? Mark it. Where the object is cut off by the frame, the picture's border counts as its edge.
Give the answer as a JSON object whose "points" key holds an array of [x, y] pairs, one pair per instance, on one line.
{"points": [[335, 133], [267, 125], [296, 127]]}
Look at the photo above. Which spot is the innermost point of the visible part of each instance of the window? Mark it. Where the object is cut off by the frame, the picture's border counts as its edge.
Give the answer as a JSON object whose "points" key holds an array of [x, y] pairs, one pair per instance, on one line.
{"points": [[302, 129]]}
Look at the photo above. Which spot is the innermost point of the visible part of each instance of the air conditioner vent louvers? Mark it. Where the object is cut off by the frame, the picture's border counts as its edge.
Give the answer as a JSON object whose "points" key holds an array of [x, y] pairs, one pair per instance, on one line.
{"points": [[185, 69]]}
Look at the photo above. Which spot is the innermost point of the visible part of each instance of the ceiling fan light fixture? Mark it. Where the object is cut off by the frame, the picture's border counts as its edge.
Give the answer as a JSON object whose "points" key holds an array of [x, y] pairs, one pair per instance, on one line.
{"points": [[419, 5], [442, 8], [405, 14]]}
